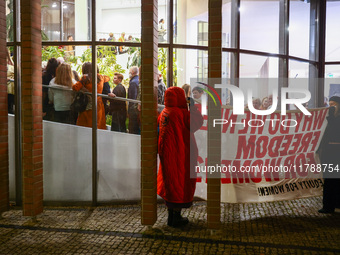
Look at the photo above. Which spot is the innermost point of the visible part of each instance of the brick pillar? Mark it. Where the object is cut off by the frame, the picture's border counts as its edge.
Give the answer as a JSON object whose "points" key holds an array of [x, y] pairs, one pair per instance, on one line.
{"points": [[149, 86], [31, 103], [4, 177], [214, 112]]}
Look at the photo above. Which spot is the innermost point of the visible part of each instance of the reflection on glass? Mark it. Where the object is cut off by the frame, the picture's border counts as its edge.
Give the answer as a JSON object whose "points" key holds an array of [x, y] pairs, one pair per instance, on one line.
{"points": [[189, 64], [299, 72], [298, 69], [50, 25], [332, 75], [9, 20], [262, 91], [332, 31], [162, 65], [163, 34], [76, 22], [188, 14], [226, 23], [226, 58], [299, 29], [258, 67], [118, 20], [225, 95], [10, 82], [68, 20], [259, 25]]}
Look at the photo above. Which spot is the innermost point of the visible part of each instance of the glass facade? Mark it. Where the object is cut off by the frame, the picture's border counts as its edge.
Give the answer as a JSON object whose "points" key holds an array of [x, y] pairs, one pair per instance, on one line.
{"points": [[259, 25], [259, 39]]}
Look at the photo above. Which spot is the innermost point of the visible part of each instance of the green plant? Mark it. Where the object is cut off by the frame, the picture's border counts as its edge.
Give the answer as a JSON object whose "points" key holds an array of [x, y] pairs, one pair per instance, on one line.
{"points": [[9, 21], [134, 59], [108, 120], [162, 63], [106, 60], [51, 52]]}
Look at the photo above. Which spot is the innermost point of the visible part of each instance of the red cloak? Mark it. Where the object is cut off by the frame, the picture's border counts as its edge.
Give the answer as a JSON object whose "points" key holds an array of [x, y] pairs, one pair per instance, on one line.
{"points": [[176, 136]]}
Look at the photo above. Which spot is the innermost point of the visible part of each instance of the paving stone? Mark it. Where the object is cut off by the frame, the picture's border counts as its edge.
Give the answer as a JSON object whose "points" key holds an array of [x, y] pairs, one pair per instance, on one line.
{"points": [[284, 227]]}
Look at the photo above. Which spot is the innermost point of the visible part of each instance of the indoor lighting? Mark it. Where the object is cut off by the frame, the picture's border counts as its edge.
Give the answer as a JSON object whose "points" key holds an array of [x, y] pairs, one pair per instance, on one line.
{"points": [[64, 6], [54, 5]]}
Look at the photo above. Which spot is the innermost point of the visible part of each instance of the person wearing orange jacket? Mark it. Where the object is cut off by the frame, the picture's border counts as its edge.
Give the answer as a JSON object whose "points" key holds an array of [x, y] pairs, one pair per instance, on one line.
{"points": [[85, 83], [177, 149]]}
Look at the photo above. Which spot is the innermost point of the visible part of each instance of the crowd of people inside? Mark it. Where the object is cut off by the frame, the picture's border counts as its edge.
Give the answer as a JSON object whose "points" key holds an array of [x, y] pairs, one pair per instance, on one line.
{"points": [[61, 85]]}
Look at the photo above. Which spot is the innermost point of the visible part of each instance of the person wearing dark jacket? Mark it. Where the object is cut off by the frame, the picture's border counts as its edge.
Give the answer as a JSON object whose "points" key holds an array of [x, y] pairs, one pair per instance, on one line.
{"points": [[330, 155], [178, 153], [132, 94], [106, 91], [118, 108], [47, 76]]}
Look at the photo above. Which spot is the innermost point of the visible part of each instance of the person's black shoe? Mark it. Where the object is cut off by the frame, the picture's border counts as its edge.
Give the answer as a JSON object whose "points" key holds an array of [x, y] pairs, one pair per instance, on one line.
{"points": [[170, 217], [178, 220], [323, 210]]}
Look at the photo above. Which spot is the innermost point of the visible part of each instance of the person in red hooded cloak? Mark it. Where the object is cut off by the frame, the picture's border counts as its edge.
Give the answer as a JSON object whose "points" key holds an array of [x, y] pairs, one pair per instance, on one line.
{"points": [[177, 149]]}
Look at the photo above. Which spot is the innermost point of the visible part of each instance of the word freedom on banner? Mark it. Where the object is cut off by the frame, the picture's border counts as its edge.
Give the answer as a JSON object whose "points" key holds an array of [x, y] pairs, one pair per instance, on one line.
{"points": [[279, 153]]}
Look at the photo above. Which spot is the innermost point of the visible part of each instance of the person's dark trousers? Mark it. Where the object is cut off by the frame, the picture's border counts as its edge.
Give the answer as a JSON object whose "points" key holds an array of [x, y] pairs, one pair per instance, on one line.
{"points": [[118, 121], [133, 122], [10, 103], [62, 117], [49, 113], [331, 193]]}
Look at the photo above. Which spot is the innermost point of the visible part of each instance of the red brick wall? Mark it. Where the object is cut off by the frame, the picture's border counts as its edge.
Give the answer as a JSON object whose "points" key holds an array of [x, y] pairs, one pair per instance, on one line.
{"points": [[214, 134], [4, 185], [149, 111], [32, 132]]}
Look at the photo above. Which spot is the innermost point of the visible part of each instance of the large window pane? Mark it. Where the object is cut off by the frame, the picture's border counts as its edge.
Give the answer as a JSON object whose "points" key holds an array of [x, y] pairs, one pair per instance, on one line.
{"points": [[226, 23], [333, 31], [50, 22], [67, 135], [298, 74], [298, 69], [258, 66], [299, 29], [332, 75], [121, 19], [68, 19], [76, 22], [117, 160], [163, 22], [11, 123], [259, 25], [190, 64], [188, 16]]}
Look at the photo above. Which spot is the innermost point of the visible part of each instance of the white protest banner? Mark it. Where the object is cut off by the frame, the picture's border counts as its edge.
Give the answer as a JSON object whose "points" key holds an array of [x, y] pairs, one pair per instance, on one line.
{"points": [[265, 157]]}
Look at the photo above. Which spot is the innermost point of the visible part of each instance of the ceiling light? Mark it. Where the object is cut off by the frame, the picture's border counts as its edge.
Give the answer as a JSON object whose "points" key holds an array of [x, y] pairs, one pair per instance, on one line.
{"points": [[54, 5], [64, 6]]}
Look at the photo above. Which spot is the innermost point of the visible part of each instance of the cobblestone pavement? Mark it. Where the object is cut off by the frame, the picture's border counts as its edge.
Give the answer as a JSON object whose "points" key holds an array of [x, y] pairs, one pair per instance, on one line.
{"points": [[287, 227]]}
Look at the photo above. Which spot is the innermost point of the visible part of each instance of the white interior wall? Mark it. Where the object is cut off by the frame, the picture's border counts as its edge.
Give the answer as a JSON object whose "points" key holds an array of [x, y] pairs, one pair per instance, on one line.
{"points": [[118, 16]]}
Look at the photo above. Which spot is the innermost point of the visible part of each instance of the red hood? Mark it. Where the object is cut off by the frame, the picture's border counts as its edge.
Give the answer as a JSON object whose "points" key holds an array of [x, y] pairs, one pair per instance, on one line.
{"points": [[175, 97]]}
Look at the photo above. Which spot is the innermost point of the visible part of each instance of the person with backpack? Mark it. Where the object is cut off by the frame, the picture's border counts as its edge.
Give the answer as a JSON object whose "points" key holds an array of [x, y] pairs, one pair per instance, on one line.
{"points": [[85, 84]]}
